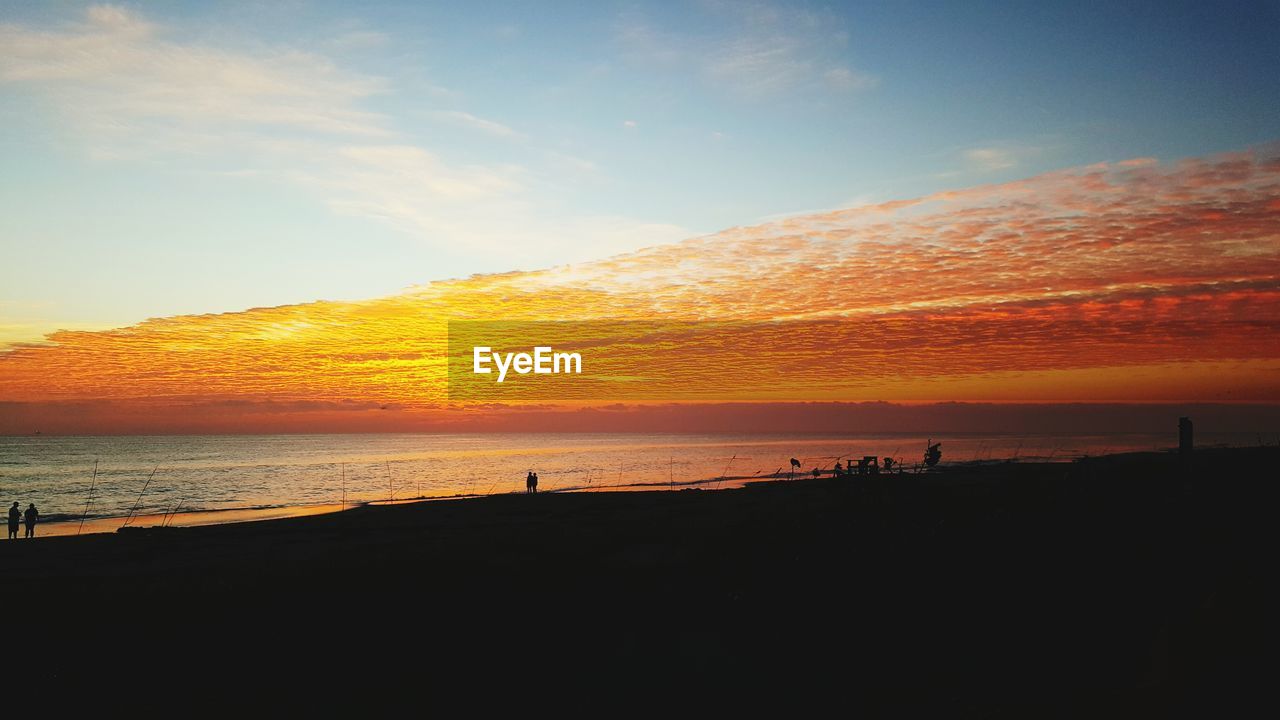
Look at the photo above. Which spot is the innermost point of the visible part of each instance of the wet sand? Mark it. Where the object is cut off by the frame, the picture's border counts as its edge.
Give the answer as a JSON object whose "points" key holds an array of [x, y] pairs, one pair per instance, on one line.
{"points": [[199, 518], [196, 518], [1129, 584]]}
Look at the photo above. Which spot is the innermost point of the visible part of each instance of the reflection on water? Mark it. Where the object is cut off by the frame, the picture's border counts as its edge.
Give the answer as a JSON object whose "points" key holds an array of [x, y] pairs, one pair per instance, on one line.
{"points": [[276, 474]]}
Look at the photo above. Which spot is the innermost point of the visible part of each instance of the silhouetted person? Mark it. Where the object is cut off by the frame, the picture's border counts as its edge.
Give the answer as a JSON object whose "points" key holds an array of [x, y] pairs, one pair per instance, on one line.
{"points": [[839, 469], [535, 482], [531, 482], [31, 517], [1185, 442], [15, 515]]}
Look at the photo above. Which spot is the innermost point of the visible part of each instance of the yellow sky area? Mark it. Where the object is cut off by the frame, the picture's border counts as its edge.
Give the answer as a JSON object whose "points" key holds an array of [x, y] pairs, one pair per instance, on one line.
{"points": [[1138, 283]]}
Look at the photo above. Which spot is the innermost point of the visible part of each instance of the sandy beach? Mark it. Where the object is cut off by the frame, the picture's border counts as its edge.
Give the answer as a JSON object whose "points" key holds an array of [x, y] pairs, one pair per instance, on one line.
{"points": [[1129, 582]]}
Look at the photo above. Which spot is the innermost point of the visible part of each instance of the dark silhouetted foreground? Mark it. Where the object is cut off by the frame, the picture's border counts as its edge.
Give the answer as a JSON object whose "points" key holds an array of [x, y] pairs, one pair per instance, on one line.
{"points": [[1130, 584]]}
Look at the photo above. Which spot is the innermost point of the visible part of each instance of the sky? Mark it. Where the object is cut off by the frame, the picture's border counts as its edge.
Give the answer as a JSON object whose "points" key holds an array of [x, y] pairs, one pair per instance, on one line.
{"points": [[182, 158], [1129, 282], [231, 216]]}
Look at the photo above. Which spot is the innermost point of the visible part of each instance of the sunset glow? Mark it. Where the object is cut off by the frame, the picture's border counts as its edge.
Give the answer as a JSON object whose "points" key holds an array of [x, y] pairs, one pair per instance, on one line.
{"points": [[1131, 282]]}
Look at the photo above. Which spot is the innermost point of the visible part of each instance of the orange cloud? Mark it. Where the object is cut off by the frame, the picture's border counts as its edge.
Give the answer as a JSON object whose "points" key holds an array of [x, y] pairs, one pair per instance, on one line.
{"points": [[1131, 281]]}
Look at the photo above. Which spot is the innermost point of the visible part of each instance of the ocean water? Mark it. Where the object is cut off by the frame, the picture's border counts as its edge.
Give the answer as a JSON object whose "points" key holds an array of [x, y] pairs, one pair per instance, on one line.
{"points": [[200, 478]]}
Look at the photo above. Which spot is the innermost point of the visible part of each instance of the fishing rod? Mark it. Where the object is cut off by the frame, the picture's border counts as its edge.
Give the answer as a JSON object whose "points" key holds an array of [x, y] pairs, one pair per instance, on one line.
{"points": [[725, 471], [835, 460], [89, 500], [129, 518], [168, 521]]}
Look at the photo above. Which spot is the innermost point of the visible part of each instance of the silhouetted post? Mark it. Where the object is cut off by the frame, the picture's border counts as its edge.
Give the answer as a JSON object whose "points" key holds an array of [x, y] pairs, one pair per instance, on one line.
{"points": [[1185, 442]]}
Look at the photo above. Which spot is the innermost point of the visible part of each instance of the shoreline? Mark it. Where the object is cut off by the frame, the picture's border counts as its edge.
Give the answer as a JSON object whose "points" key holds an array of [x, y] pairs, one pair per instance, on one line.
{"points": [[201, 518], [257, 479]]}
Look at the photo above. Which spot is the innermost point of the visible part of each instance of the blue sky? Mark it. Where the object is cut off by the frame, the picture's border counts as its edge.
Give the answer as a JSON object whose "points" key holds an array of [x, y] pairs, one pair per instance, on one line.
{"points": [[162, 159]]}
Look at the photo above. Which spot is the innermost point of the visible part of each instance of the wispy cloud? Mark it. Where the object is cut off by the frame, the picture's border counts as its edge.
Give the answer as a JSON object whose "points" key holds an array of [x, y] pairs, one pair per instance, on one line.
{"points": [[360, 40], [467, 120], [759, 50], [991, 158], [113, 73], [841, 78], [1001, 156], [127, 91]]}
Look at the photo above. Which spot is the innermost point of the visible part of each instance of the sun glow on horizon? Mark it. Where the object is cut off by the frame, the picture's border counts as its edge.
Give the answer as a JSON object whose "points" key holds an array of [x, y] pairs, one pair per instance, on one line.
{"points": [[1124, 282]]}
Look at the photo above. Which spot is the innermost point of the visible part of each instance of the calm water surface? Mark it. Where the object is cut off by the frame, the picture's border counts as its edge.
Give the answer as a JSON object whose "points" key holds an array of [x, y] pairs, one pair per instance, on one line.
{"points": [[270, 472]]}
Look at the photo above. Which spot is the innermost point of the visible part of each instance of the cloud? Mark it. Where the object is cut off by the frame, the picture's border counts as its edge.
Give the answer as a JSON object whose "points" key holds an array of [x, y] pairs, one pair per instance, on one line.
{"points": [[114, 73], [118, 20], [1000, 156], [360, 40], [467, 120], [991, 158], [756, 51], [841, 78], [758, 66], [125, 91], [1127, 281]]}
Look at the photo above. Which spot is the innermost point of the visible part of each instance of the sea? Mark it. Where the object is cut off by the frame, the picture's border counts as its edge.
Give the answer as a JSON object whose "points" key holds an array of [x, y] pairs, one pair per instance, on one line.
{"points": [[99, 484]]}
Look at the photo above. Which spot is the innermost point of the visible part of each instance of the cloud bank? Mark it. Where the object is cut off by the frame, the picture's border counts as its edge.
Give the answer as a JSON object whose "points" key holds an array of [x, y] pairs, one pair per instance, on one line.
{"points": [[1124, 282]]}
